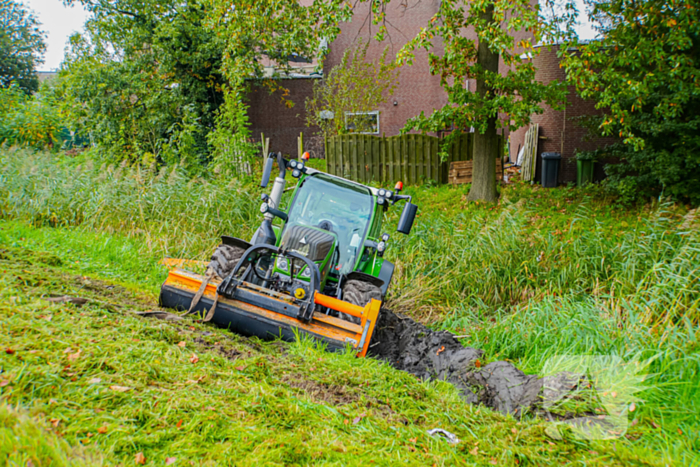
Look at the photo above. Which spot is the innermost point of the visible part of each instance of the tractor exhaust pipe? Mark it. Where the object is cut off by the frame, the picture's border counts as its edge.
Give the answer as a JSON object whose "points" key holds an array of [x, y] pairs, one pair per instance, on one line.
{"points": [[265, 234]]}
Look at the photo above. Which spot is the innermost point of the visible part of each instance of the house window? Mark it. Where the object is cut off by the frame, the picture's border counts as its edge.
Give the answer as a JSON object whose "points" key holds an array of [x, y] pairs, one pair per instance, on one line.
{"points": [[362, 122]]}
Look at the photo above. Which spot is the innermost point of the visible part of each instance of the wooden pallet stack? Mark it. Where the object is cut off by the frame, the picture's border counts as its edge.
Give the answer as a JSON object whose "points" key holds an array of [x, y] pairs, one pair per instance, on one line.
{"points": [[461, 171]]}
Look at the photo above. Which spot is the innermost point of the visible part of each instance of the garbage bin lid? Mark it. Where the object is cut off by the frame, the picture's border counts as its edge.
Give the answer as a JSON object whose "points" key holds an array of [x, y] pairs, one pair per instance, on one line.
{"points": [[551, 155]]}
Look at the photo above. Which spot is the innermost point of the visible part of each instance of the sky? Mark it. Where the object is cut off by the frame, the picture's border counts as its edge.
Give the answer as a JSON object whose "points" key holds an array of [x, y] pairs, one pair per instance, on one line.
{"points": [[60, 22]]}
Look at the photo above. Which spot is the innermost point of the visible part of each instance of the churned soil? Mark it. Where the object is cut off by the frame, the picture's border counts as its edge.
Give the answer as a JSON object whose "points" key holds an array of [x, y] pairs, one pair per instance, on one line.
{"points": [[412, 347]]}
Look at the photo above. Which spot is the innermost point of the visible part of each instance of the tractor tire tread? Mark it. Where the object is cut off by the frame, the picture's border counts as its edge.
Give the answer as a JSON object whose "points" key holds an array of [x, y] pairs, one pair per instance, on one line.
{"points": [[225, 259], [359, 293]]}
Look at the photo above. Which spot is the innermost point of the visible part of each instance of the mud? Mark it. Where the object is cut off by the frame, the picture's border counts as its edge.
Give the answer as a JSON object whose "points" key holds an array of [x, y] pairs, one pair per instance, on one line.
{"points": [[410, 346]]}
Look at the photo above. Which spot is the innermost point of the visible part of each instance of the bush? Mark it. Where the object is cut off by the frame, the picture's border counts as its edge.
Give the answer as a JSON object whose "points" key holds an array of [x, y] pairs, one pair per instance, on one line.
{"points": [[26, 120]]}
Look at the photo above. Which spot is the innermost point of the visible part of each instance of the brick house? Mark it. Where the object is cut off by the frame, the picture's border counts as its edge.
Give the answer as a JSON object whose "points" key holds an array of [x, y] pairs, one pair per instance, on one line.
{"points": [[417, 91]]}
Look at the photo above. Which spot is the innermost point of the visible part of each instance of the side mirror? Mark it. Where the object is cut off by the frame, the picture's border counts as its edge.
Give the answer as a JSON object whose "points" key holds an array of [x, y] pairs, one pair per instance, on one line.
{"points": [[266, 172], [408, 215]]}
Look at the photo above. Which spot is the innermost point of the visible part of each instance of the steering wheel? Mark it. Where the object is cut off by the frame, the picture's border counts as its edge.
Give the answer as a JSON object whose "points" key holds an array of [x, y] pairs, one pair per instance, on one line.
{"points": [[327, 224]]}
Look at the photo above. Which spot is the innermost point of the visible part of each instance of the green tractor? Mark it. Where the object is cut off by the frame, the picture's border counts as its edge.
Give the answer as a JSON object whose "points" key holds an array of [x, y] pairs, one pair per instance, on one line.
{"points": [[317, 268]]}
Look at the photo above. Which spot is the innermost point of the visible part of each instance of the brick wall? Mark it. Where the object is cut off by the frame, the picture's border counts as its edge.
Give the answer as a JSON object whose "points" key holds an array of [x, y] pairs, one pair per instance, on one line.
{"points": [[417, 90], [268, 114], [559, 130]]}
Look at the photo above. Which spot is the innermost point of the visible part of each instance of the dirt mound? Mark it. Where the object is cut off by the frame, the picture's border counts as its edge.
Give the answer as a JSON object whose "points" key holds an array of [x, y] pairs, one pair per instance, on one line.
{"points": [[410, 346]]}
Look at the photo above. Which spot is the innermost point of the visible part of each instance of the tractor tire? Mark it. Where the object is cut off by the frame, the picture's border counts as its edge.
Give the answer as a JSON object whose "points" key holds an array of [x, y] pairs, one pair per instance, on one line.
{"points": [[359, 293], [224, 259]]}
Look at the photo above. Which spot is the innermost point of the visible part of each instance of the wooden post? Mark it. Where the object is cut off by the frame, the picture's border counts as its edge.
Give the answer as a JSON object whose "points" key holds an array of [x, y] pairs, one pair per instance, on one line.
{"points": [[265, 145], [300, 142]]}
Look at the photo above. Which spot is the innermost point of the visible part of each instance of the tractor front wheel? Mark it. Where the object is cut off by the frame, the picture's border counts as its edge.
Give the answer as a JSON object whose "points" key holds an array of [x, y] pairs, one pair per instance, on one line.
{"points": [[224, 259], [359, 293]]}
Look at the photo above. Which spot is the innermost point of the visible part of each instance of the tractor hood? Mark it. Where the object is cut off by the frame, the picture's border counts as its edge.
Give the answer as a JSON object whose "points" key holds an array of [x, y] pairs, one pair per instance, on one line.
{"points": [[315, 244]]}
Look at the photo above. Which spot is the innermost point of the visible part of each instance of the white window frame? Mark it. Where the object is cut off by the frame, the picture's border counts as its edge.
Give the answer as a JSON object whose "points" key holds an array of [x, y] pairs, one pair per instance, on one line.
{"points": [[373, 112]]}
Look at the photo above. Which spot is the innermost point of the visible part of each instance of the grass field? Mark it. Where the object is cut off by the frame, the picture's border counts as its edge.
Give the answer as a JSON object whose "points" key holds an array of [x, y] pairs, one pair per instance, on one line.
{"points": [[544, 273]]}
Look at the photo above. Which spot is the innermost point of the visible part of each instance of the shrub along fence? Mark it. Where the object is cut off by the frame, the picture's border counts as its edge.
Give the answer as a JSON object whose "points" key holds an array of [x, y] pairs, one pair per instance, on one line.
{"points": [[411, 158]]}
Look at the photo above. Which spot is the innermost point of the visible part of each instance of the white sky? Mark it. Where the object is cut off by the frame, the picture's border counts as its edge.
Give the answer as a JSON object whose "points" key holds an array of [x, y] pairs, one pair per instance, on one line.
{"points": [[584, 30], [59, 22]]}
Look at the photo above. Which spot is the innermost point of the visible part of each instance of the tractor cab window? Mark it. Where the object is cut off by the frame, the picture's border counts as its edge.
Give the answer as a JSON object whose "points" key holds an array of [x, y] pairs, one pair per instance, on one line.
{"points": [[338, 206]]}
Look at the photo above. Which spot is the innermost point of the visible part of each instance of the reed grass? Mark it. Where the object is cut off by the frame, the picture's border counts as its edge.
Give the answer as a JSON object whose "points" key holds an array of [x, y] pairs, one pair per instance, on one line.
{"points": [[167, 211]]}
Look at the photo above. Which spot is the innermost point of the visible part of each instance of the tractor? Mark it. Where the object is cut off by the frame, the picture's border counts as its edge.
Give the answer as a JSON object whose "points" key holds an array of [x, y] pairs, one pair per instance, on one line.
{"points": [[316, 267]]}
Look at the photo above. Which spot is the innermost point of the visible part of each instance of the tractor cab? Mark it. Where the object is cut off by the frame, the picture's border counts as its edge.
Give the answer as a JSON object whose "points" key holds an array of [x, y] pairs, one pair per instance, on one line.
{"points": [[333, 222], [326, 207]]}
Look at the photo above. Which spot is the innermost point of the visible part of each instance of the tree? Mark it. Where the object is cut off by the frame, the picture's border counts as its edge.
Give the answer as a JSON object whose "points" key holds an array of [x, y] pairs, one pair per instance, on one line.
{"points": [[29, 120], [643, 73], [145, 80], [352, 88], [265, 34], [21, 46], [476, 36], [167, 79]]}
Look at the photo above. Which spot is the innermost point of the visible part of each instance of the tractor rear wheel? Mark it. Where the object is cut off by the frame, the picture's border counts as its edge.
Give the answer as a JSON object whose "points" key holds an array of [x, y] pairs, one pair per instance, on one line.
{"points": [[225, 259], [359, 293]]}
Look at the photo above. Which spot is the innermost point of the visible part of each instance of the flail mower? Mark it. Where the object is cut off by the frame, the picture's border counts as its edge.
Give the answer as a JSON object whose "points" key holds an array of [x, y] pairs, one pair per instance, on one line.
{"points": [[316, 268]]}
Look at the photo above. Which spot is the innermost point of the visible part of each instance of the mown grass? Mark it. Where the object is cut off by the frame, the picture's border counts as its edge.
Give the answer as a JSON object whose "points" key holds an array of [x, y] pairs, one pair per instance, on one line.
{"points": [[543, 273], [97, 385]]}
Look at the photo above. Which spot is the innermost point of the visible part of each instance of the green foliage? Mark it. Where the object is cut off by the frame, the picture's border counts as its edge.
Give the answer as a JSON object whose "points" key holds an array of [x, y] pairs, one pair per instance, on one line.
{"points": [[234, 150], [104, 196], [145, 82], [21, 46], [352, 87], [148, 79], [643, 74], [263, 34], [29, 120], [474, 38], [259, 36]]}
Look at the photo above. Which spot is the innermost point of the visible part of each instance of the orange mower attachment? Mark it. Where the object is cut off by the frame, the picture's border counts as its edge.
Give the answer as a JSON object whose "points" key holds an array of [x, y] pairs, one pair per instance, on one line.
{"points": [[261, 312]]}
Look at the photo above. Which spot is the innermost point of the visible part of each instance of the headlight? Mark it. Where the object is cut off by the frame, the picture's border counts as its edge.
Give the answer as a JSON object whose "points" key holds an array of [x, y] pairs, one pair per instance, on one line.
{"points": [[306, 273], [296, 173], [282, 264], [382, 192], [381, 246], [293, 163], [264, 207]]}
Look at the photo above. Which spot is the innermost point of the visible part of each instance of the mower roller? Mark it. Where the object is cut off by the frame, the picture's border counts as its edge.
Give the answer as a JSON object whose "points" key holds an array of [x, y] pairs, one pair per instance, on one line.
{"points": [[316, 268]]}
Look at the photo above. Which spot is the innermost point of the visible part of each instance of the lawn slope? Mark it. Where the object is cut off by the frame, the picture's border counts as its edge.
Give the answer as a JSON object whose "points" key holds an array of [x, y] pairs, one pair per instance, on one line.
{"points": [[106, 385]]}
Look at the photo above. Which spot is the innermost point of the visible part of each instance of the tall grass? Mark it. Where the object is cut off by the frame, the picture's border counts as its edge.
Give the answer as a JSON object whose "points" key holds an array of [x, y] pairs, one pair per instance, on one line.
{"points": [[535, 244], [170, 212], [501, 258]]}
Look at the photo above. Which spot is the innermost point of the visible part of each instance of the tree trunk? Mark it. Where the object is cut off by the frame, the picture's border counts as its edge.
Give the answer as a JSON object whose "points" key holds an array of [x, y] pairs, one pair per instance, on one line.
{"points": [[485, 144]]}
